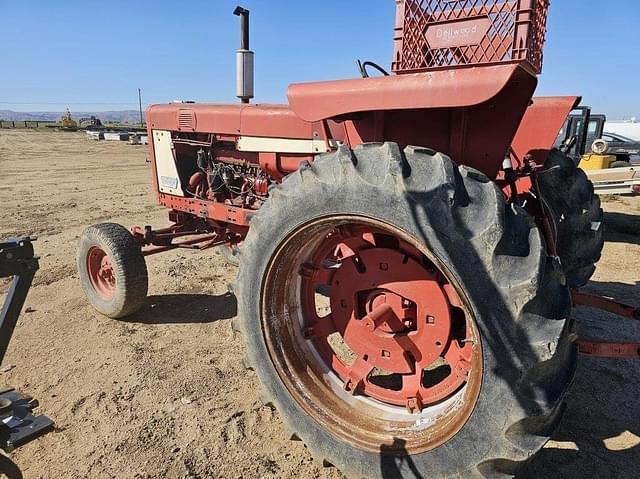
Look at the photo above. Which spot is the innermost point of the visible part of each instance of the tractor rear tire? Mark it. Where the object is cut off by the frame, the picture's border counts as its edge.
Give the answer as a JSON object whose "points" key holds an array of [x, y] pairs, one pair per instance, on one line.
{"points": [[112, 270], [577, 215], [491, 251]]}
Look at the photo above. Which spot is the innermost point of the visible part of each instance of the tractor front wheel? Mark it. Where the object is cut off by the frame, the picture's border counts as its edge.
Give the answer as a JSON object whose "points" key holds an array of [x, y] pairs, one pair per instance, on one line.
{"points": [[404, 319], [112, 270]]}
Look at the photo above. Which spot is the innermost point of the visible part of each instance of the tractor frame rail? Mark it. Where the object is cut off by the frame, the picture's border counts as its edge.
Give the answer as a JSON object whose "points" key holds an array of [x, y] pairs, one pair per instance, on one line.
{"points": [[606, 349], [160, 241]]}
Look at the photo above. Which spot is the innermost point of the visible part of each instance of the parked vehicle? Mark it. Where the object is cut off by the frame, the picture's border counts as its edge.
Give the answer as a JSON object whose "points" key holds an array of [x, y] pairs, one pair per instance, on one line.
{"points": [[608, 165], [623, 148], [629, 129], [588, 128]]}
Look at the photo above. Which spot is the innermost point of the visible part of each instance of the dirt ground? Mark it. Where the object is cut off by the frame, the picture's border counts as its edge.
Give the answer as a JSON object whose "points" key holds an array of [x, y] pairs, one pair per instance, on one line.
{"points": [[164, 394]]}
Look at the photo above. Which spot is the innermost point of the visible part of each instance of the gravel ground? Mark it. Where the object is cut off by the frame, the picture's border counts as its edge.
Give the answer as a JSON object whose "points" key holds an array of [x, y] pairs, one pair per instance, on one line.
{"points": [[164, 394]]}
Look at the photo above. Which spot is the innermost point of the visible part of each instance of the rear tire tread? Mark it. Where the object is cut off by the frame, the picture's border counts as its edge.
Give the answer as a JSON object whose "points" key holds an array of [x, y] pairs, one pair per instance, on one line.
{"points": [[509, 248]]}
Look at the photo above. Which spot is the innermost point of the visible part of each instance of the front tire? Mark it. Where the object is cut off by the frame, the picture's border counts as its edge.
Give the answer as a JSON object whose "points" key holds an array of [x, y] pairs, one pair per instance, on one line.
{"points": [[112, 270], [450, 224]]}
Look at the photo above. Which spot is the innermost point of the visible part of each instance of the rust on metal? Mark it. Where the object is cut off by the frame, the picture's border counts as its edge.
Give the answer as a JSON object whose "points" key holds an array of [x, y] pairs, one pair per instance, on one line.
{"points": [[470, 115], [610, 350], [604, 349], [201, 243], [465, 75], [159, 241], [208, 209], [101, 273], [606, 304], [385, 335]]}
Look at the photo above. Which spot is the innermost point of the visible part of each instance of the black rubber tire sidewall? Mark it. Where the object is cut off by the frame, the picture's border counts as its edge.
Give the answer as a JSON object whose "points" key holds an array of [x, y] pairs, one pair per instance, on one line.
{"points": [[129, 268], [483, 436]]}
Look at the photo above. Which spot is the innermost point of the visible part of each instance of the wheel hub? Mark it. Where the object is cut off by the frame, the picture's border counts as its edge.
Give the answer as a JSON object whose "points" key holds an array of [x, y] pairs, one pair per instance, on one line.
{"points": [[367, 332], [404, 325], [389, 313], [101, 273], [393, 314]]}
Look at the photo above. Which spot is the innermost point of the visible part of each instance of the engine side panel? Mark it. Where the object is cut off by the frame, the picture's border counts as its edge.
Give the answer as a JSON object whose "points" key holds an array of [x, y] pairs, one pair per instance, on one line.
{"points": [[166, 169]]}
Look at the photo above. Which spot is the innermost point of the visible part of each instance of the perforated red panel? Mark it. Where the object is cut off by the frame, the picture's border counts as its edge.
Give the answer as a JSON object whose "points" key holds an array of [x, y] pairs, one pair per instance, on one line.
{"points": [[432, 34]]}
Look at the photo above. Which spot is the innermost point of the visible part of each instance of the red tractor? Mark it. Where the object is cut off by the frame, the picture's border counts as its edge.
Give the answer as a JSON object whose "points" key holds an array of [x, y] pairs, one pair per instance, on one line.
{"points": [[406, 308]]}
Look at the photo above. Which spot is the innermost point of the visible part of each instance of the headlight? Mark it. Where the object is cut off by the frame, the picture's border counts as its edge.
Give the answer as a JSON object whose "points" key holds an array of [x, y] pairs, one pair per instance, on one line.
{"points": [[600, 147]]}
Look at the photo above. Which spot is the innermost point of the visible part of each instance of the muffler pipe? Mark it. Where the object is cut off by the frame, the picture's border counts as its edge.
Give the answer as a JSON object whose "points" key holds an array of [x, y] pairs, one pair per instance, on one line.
{"points": [[244, 59]]}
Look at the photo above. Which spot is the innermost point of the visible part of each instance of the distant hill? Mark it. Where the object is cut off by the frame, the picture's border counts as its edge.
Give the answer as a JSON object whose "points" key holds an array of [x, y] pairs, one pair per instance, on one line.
{"points": [[126, 116]]}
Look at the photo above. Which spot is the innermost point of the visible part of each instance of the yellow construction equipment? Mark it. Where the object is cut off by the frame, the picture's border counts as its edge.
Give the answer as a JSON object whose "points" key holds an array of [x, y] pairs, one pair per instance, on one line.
{"points": [[68, 123]]}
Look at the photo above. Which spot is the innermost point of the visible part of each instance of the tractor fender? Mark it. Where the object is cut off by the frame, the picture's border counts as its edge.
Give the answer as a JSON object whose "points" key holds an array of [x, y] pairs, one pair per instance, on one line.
{"points": [[451, 88], [541, 125]]}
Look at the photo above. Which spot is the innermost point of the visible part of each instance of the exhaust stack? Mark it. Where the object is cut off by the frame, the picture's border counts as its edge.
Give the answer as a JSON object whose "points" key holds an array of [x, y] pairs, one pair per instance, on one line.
{"points": [[244, 59]]}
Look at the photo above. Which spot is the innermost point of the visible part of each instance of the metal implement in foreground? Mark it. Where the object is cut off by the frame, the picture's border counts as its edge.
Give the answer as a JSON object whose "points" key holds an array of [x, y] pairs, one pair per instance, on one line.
{"points": [[18, 424], [406, 308]]}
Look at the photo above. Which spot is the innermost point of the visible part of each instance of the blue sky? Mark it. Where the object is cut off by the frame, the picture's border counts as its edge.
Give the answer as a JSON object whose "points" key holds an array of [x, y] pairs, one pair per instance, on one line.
{"points": [[94, 56]]}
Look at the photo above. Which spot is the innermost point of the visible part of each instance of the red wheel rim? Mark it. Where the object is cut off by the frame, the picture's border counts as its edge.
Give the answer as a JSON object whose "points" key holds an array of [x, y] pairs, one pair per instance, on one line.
{"points": [[392, 333], [101, 273]]}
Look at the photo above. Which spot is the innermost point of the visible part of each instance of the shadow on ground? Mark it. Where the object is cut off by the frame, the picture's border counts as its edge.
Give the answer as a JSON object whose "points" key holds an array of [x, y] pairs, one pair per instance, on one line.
{"points": [[186, 309], [394, 459], [599, 436]]}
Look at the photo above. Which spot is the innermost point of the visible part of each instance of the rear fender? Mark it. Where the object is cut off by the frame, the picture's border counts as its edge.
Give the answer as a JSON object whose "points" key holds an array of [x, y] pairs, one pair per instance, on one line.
{"points": [[469, 114], [541, 125]]}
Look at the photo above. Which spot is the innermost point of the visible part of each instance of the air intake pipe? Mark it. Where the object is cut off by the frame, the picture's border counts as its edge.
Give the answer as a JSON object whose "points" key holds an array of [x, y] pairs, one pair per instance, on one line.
{"points": [[244, 59]]}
